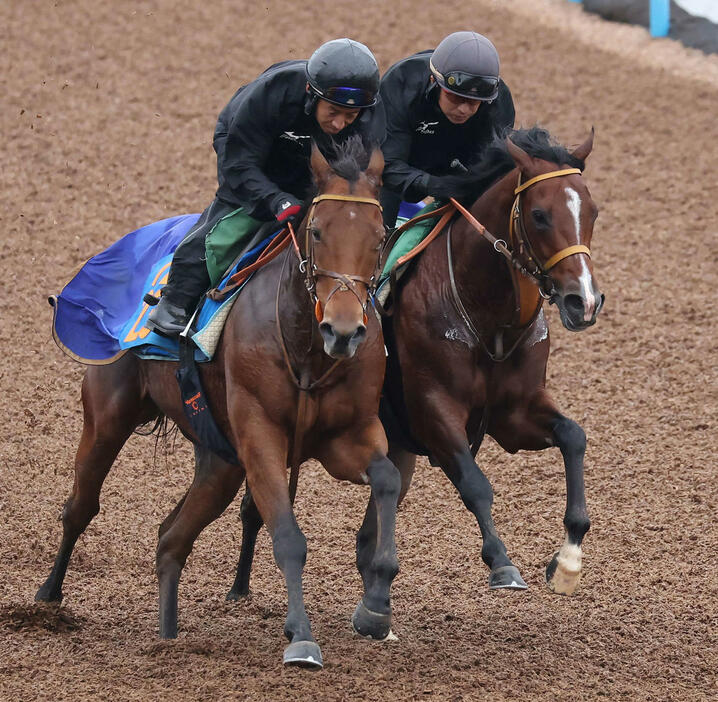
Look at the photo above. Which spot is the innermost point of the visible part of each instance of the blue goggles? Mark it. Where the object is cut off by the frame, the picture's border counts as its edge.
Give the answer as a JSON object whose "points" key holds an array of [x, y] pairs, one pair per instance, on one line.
{"points": [[347, 97]]}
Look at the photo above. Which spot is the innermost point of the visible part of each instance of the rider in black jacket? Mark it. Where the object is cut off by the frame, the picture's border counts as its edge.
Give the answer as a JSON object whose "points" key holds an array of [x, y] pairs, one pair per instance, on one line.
{"points": [[442, 109], [263, 141]]}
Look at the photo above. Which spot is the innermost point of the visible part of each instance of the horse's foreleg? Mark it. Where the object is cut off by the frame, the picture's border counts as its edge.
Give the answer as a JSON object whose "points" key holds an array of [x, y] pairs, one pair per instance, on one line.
{"points": [[214, 487], [478, 497], [372, 617], [112, 408], [251, 524], [564, 571], [538, 426], [264, 452], [367, 534]]}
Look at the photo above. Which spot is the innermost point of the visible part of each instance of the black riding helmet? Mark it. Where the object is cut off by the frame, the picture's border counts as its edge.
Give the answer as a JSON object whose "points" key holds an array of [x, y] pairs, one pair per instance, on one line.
{"points": [[344, 72], [467, 64]]}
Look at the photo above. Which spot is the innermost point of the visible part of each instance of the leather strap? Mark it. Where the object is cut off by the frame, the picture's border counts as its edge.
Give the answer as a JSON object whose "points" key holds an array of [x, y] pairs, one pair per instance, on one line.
{"points": [[565, 253], [427, 240], [274, 248], [544, 176], [300, 429], [347, 198]]}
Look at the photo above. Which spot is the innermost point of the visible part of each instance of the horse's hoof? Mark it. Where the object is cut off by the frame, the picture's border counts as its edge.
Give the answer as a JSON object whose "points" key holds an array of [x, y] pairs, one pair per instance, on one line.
{"points": [[506, 578], [305, 654], [372, 625], [45, 594], [235, 595], [563, 573]]}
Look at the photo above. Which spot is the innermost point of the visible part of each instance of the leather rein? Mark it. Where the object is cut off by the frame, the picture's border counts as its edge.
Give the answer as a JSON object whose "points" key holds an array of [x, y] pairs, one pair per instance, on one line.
{"points": [[345, 281], [523, 264]]}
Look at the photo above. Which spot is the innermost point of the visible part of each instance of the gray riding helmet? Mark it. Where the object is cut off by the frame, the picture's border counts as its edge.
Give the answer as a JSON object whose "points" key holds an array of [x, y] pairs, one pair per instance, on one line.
{"points": [[344, 72], [467, 64]]}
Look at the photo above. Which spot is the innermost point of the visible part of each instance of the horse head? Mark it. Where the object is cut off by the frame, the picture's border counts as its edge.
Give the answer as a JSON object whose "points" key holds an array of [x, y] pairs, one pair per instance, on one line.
{"points": [[343, 237], [552, 224]]}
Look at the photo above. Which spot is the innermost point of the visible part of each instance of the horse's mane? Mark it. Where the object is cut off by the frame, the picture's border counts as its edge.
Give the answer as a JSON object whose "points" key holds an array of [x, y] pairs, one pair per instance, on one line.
{"points": [[496, 162]]}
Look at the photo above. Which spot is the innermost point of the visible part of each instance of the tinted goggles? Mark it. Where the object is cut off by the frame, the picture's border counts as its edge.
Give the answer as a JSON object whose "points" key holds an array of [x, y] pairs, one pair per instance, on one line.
{"points": [[479, 87], [348, 97]]}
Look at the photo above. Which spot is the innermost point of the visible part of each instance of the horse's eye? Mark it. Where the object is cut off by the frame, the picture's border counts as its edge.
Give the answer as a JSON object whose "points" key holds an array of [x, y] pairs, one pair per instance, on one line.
{"points": [[316, 234], [541, 219]]}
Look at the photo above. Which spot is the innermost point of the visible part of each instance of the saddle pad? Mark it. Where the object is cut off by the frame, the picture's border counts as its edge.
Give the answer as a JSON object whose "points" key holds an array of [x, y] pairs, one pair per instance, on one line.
{"points": [[413, 236], [100, 313], [409, 239]]}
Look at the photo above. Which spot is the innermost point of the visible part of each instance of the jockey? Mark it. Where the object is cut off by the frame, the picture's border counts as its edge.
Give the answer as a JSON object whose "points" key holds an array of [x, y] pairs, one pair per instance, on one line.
{"points": [[263, 141], [442, 109]]}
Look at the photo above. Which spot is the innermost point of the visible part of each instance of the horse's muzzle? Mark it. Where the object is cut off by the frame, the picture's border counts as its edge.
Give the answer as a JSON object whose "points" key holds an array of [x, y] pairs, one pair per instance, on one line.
{"points": [[578, 313], [341, 343]]}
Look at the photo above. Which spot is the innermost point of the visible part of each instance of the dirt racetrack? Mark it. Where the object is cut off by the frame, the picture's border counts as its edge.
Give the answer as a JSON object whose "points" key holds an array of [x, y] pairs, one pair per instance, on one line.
{"points": [[107, 116]]}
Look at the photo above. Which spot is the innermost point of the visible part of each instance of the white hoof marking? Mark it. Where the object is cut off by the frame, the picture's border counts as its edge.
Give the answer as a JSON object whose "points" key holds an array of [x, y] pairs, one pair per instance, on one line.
{"points": [[568, 570]]}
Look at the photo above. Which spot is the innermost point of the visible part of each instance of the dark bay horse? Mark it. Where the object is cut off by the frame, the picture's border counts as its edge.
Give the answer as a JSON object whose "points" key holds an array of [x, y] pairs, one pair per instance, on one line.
{"points": [[468, 343], [298, 323], [470, 327]]}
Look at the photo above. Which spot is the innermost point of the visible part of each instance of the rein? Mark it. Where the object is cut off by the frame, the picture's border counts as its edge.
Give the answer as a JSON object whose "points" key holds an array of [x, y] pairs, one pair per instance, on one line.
{"points": [[311, 272]]}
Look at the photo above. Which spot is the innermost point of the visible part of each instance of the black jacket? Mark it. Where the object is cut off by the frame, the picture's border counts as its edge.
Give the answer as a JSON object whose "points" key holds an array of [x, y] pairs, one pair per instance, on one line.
{"points": [[264, 135], [420, 140]]}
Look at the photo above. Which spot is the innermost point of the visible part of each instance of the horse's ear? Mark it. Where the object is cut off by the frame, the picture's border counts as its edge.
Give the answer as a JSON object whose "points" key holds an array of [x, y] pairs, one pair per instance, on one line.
{"points": [[320, 166], [375, 168], [520, 157], [582, 152]]}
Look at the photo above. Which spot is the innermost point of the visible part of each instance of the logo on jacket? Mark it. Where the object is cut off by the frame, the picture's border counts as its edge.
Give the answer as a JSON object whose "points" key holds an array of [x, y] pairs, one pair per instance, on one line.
{"points": [[423, 127], [295, 137]]}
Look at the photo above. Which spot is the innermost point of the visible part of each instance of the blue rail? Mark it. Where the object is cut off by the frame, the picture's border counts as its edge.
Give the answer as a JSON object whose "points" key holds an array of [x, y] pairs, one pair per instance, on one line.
{"points": [[660, 17]]}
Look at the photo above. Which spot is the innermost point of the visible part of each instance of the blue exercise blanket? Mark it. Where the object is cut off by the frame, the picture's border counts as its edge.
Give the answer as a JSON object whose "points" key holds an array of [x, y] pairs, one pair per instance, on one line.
{"points": [[100, 313]]}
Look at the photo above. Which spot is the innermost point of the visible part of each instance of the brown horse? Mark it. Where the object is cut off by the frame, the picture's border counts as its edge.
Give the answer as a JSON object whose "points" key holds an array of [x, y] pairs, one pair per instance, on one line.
{"points": [[271, 345], [468, 344]]}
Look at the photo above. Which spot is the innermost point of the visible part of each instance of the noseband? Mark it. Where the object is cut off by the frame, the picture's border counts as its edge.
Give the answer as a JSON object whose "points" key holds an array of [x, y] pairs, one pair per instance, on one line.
{"points": [[346, 281]]}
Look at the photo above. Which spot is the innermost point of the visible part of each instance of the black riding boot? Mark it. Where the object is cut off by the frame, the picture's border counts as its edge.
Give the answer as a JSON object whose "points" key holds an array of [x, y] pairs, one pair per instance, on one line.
{"points": [[188, 277]]}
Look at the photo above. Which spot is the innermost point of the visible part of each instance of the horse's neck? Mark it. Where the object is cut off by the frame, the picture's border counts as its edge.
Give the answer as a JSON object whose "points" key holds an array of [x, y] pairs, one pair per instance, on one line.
{"points": [[482, 276], [493, 208]]}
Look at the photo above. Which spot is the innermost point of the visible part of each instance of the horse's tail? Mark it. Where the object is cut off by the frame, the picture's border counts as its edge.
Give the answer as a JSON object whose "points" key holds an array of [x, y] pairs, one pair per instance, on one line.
{"points": [[163, 429]]}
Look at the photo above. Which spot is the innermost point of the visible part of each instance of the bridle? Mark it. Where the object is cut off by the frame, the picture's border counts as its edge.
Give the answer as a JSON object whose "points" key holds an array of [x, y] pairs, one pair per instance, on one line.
{"points": [[520, 257], [521, 245], [345, 281], [311, 272]]}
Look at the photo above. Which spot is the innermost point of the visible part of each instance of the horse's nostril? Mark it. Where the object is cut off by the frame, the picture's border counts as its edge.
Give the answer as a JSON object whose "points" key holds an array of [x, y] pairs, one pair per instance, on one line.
{"points": [[573, 304], [326, 329], [360, 333]]}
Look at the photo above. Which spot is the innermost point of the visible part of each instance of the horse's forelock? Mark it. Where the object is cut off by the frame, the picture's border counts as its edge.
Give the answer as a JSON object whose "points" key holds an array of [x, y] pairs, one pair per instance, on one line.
{"points": [[351, 158]]}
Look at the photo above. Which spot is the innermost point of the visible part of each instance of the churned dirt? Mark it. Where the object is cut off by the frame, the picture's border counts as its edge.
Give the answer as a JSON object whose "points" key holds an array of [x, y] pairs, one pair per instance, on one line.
{"points": [[107, 116]]}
